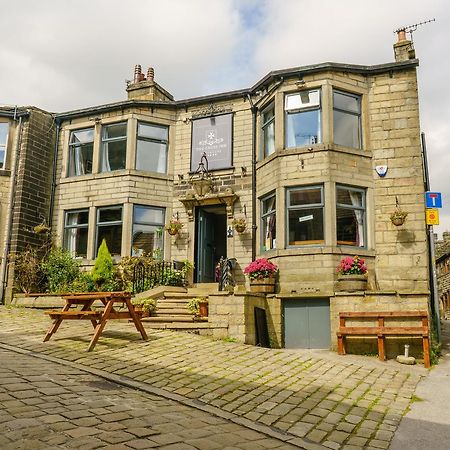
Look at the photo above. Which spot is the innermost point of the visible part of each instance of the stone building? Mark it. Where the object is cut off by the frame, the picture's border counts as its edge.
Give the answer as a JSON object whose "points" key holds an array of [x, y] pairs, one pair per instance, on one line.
{"points": [[314, 159], [443, 271]]}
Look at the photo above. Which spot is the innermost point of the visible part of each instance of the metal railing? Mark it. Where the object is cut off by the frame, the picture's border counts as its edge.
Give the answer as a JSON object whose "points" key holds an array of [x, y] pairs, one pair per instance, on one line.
{"points": [[157, 273]]}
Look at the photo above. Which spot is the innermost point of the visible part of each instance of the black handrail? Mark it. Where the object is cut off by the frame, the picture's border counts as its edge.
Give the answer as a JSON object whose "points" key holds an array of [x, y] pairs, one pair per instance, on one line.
{"points": [[157, 273]]}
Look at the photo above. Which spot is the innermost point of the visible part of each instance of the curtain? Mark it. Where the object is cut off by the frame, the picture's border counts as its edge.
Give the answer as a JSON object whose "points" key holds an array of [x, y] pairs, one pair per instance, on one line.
{"points": [[356, 199]]}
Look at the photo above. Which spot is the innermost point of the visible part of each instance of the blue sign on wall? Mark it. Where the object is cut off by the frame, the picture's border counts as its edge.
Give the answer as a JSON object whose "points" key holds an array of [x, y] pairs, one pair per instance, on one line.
{"points": [[433, 199]]}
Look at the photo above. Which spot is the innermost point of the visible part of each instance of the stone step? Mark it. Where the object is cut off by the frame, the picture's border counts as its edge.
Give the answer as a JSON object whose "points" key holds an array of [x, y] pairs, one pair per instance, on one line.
{"points": [[177, 326], [168, 318], [172, 312]]}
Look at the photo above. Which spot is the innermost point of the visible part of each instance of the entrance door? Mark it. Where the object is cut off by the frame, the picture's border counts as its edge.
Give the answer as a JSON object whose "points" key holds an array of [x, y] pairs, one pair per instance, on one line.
{"points": [[210, 241], [307, 323]]}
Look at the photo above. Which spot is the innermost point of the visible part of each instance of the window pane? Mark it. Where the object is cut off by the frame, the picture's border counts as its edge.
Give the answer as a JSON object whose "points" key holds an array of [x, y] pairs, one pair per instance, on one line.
{"points": [[305, 196], [115, 131], [269, 139], [82, 136], [304, 99], [152, 131], [346, 129], [109, 215], [268, 222], [350, 217], [349, 197], [147, 239], [114, 155], [80, 159], [3, 133], [151, 156], [303, 128], [77, 218], [113, 236], [305, 226], [144, 214], [268, 115], [75, 241], [346, 102]]}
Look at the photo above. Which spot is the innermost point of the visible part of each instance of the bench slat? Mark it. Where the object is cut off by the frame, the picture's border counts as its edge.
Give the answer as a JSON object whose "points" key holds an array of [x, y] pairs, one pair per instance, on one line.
{"points": [[363, 315], [419, 331]]}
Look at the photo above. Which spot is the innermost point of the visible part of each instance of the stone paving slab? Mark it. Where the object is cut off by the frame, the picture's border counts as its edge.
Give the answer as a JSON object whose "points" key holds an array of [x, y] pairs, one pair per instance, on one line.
{"points": [[97, 414], [310, 399]]}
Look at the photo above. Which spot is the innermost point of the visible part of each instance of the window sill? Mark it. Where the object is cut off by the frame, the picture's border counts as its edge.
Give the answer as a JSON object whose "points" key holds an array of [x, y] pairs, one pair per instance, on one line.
{"points": [[114, 174]]}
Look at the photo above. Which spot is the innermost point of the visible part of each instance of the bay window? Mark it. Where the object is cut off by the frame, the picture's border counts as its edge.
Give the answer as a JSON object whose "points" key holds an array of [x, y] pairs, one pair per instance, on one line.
{"points": [[81, 148], [114, 147], [268, 222], [76, 232], [109, 227], [350, 216], [148, 225], [151, 150], [347, 119], [303, 118], [305, 208]]}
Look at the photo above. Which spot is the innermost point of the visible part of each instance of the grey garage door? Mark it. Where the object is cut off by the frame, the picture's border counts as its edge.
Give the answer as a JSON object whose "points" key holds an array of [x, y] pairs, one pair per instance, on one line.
{"points": [[307, 323]]}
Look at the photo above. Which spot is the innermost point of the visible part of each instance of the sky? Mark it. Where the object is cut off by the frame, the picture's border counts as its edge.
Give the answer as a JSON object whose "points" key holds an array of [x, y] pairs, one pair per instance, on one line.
{"points": [[61, 55]]}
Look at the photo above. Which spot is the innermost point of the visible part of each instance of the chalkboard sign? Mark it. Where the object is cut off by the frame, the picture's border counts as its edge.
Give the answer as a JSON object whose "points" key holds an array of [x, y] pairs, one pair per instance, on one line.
{"points": [[262, 332]]}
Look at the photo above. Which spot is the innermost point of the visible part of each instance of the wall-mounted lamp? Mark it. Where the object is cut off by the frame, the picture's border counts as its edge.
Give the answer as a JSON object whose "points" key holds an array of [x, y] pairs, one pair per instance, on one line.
{"points": [[243, 171], [186, 120], [180, 177]]}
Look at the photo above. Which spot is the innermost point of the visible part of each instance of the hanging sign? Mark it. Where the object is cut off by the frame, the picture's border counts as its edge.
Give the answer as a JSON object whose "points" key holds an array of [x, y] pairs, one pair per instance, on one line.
{"points": [[432, 216]]}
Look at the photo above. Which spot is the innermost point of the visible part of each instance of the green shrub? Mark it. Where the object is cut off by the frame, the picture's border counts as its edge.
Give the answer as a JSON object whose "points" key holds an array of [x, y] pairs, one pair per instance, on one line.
{"points": [[60, 269], [84, 283], [103, 270]]}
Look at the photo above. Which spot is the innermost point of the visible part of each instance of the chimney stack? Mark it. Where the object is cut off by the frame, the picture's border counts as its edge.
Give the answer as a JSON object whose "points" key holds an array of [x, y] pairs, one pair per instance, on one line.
{"points": [[151, 74], [137, 73], [403, 48], [142, 88]]}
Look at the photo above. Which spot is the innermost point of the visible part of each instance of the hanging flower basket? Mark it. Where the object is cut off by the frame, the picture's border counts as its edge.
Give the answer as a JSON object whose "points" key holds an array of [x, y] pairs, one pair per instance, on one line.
{"points": [[239, 224], [174, 226], [398, 217]]}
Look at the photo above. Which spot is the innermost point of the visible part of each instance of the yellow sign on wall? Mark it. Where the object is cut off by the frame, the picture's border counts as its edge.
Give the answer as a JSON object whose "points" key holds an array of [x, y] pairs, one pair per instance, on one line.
{"points": [[432, 215]]}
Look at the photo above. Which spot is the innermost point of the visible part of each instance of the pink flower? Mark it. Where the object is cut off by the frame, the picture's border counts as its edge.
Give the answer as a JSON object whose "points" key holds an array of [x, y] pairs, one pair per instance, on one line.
{"points": [[349, 265], [260, 268]]}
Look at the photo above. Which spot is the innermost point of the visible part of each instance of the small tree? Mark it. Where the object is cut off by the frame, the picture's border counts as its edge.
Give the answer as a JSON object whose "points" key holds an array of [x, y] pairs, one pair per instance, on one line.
{"points": [[103, 271]]}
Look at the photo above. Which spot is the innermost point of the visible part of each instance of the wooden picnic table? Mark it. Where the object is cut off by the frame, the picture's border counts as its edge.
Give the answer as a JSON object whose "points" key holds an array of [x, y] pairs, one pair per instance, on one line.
{"points": [[98, 317]]}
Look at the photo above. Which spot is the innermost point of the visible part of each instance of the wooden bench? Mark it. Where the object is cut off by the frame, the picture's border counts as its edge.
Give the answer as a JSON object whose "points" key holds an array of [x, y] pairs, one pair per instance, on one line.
{"points": [[383, 329]]}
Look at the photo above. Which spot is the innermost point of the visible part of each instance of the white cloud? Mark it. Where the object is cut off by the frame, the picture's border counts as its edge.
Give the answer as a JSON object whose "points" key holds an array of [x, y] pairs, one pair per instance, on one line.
{"points": [[65, 55]]}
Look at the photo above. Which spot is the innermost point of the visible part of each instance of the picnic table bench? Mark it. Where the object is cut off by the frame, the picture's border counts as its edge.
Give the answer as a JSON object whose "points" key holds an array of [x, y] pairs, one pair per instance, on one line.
{"points": [[98, 317], [383, 329]]}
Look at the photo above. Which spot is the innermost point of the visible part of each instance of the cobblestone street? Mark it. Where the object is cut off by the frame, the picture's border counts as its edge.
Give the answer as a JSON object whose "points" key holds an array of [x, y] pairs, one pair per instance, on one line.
{"points": [[213, 394]]}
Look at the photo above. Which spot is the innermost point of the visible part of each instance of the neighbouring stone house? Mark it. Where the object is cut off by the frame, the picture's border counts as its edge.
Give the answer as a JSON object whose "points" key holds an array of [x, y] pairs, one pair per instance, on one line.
{"points": [[442, 257], [301, 156]]}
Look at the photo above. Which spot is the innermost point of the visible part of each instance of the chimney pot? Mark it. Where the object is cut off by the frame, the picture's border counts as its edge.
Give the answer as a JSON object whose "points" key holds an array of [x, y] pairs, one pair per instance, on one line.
{"points": [[150, 74], [137, 72], [401, 35]]}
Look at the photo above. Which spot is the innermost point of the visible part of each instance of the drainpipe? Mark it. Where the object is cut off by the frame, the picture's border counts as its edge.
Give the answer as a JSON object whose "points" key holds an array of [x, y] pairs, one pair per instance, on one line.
{"points": [[9, 220], [55, 158], [254, 226], [431, 256]]}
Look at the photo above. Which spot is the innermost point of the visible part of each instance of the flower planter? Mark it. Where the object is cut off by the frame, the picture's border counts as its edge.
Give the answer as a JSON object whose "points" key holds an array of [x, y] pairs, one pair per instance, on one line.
{"points": [[351, 283], [240, 228], [172, 231], [264, 285], [203, 309], [397, 221]]}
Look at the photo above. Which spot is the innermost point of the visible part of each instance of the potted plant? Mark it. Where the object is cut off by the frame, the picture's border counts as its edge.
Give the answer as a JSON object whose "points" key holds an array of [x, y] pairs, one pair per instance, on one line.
{"points": [[145, 304], [261, 274], [352, 274], [174, 226], [198, 306], [398, 217], [239, 224]]}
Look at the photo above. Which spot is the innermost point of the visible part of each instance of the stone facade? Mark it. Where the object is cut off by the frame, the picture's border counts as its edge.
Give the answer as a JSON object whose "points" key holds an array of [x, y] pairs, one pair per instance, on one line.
{"points": [[304, 150], [443, 271]]}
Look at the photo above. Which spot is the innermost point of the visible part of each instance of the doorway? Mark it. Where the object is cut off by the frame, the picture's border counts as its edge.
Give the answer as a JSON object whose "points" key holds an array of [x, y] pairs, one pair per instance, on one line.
{"points": [[210, 241]]}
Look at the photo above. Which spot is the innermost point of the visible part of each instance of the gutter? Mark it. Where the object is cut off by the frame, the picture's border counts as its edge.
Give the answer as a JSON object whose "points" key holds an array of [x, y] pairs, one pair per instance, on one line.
{"points": [[253, 109], [55, 158]]}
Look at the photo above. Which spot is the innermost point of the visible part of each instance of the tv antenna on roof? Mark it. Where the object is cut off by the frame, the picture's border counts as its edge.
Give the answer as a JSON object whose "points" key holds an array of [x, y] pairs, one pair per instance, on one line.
{"points": [[411, 28]]}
